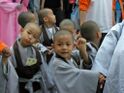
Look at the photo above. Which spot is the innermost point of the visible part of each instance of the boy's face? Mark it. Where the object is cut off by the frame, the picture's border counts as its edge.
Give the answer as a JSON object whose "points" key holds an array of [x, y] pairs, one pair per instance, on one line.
{"points": [[51, 17], [63, 46], [29, 36]]}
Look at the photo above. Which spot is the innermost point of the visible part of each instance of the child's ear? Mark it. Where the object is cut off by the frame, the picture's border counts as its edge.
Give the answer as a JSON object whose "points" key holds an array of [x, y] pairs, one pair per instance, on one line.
{"points": [[45, 19], [99, 34]]}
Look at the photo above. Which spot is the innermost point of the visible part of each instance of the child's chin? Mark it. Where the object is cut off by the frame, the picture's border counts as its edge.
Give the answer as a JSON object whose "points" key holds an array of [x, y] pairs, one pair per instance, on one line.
{"points": [[27, 45]]}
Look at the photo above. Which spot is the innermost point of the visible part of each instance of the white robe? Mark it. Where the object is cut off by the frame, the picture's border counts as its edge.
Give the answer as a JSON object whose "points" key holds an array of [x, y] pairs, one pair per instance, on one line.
{"points": [[69, 79], [8, 78], [109, 60], [100, 11]]}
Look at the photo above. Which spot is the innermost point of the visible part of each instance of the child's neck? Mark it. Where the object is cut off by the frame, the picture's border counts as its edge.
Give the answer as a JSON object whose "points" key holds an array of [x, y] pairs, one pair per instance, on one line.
{"points": [[96, 43], [58, 56], [48, 25], [21, 43]]}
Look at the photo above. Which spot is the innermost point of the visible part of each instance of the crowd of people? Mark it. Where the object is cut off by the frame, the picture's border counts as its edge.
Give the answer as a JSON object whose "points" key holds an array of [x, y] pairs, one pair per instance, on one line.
{"points": [[43, 51]]}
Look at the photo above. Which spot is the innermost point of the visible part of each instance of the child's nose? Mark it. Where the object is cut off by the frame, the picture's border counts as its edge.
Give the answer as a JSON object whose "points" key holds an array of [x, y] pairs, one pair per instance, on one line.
{"points": [[30, 36], [64, 47]]}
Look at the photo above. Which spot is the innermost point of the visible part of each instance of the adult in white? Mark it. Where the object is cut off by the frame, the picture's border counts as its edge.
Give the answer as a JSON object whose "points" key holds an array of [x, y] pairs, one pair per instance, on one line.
{"points": [[99, 11], [109, 60]]}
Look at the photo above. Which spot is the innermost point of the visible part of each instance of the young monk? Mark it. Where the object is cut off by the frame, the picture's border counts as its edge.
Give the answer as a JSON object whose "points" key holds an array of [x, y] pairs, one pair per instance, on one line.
{"points": [[69, 25], [48, 20], [109, 59], [28, 62], [66, 74], [91, 32]]}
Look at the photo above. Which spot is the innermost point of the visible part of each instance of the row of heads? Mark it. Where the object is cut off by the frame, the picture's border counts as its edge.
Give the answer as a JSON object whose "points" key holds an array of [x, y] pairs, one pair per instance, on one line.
{"points": [[87, 29]]}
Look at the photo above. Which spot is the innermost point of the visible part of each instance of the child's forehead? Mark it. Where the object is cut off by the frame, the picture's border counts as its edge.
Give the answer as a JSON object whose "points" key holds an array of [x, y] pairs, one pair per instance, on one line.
{"points": [[33, 29], [64, 38]]}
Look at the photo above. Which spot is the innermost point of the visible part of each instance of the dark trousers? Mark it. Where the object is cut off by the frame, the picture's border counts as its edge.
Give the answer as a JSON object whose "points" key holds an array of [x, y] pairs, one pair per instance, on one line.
{"points": [[100, 90], [36, 86]]}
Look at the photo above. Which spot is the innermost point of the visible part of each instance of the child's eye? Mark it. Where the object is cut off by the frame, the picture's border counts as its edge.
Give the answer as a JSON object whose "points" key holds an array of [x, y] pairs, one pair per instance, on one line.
{"points": [[35, 36], [59, 44], [68, 44], [29, 32]]}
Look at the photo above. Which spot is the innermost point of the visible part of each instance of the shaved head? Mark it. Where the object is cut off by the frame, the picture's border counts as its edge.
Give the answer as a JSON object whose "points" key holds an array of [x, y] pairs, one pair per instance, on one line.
{"points": [[43, 13], [26, 17], [67, 24], [62, 33]]}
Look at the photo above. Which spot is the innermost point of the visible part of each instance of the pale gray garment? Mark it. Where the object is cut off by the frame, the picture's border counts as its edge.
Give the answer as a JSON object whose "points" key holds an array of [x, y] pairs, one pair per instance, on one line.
{"points": [[41, 48], [105, 52], [25, 52], [47, 80], [50, 32], [8, 78], [69, 79], [92, 51], [3, 79], [109, 60]]}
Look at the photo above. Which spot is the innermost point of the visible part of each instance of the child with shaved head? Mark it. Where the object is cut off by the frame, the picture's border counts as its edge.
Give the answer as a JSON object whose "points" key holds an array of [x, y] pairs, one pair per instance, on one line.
{"points": [[26, 59], [68, 25], [66, 74], [91, 32], [29, 62], [48, 20]]}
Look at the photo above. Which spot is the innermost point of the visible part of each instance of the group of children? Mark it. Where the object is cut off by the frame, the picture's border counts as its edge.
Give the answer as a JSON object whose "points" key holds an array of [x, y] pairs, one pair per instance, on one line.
{"points": [[51, 59]]}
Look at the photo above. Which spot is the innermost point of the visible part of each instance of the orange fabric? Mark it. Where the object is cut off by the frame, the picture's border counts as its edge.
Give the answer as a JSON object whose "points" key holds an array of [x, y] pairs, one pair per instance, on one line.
{"points": [[121, 4], [84, 5], [2, 46]]}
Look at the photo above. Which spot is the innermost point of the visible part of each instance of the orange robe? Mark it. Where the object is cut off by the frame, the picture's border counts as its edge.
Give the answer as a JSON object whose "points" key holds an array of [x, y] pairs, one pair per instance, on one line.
{"points": [[84, 5]]}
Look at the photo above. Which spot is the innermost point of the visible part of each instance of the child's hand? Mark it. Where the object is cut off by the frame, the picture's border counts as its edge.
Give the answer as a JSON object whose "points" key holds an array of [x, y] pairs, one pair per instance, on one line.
{"points": [[6, 52], [102, 79], [81, 44]]}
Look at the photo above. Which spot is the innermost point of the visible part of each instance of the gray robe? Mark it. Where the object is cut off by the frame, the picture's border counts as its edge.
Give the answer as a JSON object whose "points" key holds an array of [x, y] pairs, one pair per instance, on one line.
{"points": [[42, 76], [109, 59], [69, 79], [8, 78], [91, 50]]}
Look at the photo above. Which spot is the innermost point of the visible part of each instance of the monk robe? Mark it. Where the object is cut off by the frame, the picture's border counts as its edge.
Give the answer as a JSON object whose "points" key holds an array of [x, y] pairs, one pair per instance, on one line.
{"points": [[109, 60]]}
